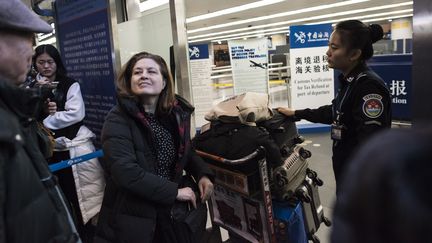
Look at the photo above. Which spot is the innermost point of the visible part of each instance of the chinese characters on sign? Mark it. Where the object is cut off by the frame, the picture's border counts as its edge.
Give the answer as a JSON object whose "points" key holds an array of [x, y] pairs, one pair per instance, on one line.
{"points": [[314, 64], [397, 90], [396, 71], [300, 36]]}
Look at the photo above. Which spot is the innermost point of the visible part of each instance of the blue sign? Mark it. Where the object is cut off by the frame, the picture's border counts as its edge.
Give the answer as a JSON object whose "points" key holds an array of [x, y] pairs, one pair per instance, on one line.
{"points": [[198, 52], [304, 36], [84, 37], [396, 71]]}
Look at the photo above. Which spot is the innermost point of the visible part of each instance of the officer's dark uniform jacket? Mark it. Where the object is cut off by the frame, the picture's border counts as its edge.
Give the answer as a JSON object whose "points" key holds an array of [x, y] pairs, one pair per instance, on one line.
{"points": [[133, 191], [362, 106], [30, 208]]}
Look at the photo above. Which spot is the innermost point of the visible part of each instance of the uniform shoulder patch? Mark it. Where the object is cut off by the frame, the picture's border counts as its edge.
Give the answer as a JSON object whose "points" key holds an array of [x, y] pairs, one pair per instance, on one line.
{"points": [[372, 105]]}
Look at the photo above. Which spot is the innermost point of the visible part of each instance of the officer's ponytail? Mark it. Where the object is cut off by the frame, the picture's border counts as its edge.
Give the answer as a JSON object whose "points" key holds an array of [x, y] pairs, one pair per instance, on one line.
{"points": [[377, 32]]}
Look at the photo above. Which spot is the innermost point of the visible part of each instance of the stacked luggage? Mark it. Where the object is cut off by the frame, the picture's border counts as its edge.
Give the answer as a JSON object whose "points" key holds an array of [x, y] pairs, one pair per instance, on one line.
{"points": [[237, 153]]}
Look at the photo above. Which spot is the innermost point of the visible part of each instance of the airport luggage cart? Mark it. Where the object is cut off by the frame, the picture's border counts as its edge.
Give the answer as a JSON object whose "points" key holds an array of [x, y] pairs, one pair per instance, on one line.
{"points": [[242, 202]]}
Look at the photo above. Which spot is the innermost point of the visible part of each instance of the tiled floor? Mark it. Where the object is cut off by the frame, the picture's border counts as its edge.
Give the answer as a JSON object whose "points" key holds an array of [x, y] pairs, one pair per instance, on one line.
{"points": [[320, 146]]}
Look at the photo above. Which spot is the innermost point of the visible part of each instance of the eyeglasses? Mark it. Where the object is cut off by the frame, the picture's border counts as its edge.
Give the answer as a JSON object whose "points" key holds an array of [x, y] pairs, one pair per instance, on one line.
{"points": [[42, 62]]}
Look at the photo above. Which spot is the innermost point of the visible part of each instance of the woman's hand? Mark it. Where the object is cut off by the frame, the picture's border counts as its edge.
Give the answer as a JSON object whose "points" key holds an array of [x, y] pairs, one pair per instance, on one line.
{"points": [[41, 80], [206, 188], [186, 194], [286, 111], [52, 107]]}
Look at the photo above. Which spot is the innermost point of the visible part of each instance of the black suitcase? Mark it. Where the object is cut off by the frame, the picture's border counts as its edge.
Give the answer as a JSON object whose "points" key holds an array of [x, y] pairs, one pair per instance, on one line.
{"points": [[283, 130], [289, 176], [313, 211]]}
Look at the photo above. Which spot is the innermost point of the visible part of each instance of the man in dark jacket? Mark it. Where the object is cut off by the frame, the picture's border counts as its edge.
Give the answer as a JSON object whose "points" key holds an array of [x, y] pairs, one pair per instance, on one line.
{"points": [[32, 208], [387, 199]]}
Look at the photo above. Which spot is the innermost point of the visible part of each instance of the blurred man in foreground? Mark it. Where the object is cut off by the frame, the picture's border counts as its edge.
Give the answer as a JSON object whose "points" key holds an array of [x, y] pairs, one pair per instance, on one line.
{"points": [[32, 208]]}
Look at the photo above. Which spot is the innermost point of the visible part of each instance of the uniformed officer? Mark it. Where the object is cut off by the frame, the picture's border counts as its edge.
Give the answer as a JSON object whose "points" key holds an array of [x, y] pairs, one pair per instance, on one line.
{"points": [[362, 105]]}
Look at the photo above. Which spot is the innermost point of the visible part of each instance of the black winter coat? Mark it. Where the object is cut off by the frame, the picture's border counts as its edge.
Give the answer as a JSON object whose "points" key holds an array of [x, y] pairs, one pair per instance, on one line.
{"points": [[365, 104], [133, 191], [30, 210]]}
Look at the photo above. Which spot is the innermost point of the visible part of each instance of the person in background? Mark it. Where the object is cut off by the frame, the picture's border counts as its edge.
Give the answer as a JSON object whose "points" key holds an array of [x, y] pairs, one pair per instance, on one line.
{"points": [[83, 183], [387, 199], [146, 142], [362, 106], [32, 208]]}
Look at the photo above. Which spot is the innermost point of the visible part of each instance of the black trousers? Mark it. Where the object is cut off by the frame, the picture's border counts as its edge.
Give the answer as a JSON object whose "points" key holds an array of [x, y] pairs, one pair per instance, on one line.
{"points": [[67, 184]]}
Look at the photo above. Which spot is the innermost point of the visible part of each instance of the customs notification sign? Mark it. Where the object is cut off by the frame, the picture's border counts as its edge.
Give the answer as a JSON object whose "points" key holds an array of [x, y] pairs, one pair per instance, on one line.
{"points": [[312, 81]]}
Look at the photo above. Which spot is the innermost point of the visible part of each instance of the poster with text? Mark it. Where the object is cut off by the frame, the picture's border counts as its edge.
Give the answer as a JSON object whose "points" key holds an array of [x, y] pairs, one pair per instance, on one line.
{"points": [[202, 89], [249, 62], [85, 43], [239, 214], [312, 81]]}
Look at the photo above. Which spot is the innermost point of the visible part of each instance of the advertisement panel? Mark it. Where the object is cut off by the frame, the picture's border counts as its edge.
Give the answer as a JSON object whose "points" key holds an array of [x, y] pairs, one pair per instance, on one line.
{"points": [[396, 71], [249, 62], [200, 73]]}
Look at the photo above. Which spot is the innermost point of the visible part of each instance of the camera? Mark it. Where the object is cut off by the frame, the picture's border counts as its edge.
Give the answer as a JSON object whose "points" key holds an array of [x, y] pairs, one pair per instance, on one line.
{"points": [[47, 90]]}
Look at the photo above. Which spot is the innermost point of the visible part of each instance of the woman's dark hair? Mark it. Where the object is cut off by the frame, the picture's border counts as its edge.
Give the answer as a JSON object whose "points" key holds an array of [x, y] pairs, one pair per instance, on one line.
{"points": [[356, 35], [52, 52], [166, 97]]}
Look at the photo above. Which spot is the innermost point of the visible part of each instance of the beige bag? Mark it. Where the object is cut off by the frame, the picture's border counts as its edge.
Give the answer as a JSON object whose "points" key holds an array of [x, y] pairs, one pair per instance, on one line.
{"points": [[247, 108]]}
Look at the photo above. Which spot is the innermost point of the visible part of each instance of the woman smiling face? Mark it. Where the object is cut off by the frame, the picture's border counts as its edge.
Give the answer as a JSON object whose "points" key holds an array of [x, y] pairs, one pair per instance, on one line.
{"points": [[146, 79]]}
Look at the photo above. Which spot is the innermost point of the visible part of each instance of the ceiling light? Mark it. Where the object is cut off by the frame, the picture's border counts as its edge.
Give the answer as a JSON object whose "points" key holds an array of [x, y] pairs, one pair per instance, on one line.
{"points": [[307, 19], [384, 18], [233, 10], [369, 18], [299, 11], [149, 4], [249, 36], [362, 17], [236, 34]]}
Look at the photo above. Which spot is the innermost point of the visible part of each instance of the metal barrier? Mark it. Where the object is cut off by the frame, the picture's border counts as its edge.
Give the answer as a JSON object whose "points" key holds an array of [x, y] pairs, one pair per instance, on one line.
{"points": [[67, 163]]}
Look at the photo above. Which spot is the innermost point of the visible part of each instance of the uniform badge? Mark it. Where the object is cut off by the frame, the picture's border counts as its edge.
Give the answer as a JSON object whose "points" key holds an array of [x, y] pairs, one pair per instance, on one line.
{"points": [[373, 106]]}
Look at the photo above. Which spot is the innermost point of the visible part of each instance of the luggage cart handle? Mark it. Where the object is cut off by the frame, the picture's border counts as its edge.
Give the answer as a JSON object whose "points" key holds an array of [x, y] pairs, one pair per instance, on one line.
{"points": [[258, 152]]}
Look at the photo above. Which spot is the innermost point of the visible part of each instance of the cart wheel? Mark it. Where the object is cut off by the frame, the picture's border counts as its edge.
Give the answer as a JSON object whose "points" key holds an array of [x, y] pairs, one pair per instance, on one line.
{"points": [[312, 174], [304, 153], [319, 182], [327, 221], [315, 239], [303, 196]]}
